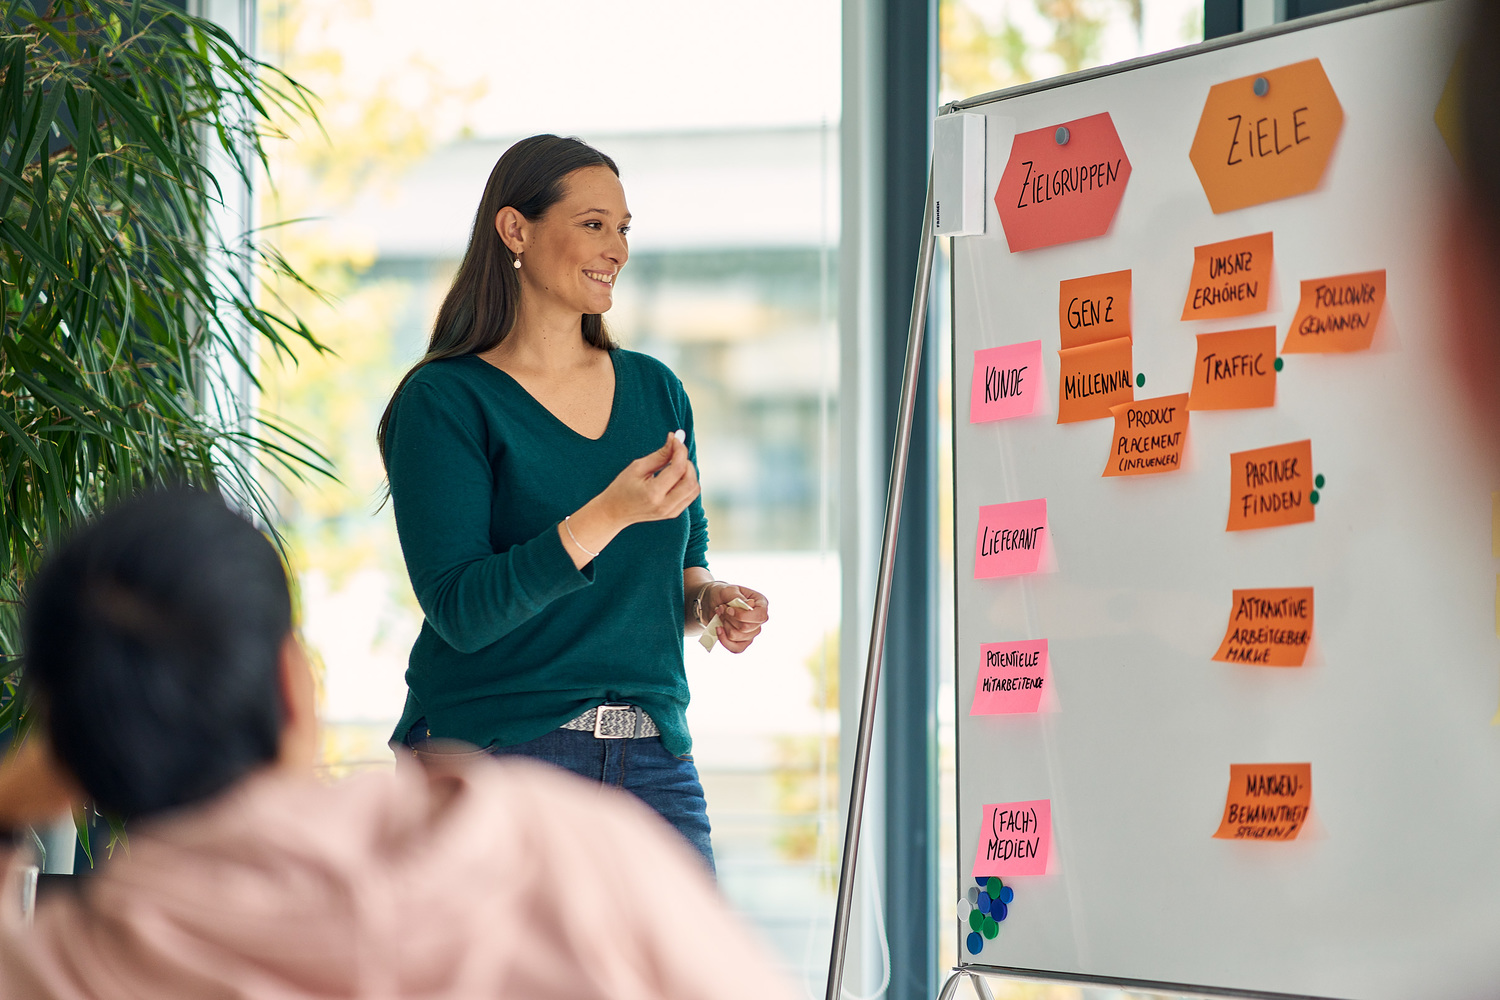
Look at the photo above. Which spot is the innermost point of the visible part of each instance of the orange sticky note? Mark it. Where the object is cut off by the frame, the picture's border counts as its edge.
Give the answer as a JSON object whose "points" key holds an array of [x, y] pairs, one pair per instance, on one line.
{"points": [[1149, 436], [1232, 278], [1337, 314], [1266, 802], [1270, 628], [1270, 486], [1094, 309], [1266, 136], [1094, 378], [1235, 370]]}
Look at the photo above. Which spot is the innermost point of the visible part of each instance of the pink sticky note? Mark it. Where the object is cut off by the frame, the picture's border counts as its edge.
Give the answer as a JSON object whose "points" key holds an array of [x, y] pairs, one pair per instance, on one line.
{"points": [[1015, 839], [1010, 540], [1006, 381], [1011, 675]]}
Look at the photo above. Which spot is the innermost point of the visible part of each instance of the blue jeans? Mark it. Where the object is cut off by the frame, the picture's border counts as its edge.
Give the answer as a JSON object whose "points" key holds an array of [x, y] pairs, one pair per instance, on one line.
{"points": [[641, 766]]}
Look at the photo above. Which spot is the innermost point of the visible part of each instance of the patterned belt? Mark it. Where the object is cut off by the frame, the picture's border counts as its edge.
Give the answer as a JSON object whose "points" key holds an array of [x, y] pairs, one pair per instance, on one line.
{"points": [[614, 722]]}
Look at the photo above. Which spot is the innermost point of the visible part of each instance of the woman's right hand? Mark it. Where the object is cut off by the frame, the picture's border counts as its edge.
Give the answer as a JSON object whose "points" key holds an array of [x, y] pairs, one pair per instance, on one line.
{"points": [[655, 487]]}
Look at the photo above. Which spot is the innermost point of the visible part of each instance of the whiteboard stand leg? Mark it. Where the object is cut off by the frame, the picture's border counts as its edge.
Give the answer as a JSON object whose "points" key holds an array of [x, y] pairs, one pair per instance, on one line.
{"points": [[950, 987], [894, 492]]}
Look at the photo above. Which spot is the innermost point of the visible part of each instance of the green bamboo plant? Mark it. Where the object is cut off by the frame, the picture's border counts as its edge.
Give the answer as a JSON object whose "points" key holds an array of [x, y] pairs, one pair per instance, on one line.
{"points": [[129, 324]]}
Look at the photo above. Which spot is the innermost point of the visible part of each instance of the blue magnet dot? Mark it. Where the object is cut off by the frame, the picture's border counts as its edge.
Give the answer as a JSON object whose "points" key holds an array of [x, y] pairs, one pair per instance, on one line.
{"points": [[1318, 481], [999, 911], [975, 943], [1279, 364], [1313, 496], [1140, 379], [982, 882], [1007, 894], [984, 902]]}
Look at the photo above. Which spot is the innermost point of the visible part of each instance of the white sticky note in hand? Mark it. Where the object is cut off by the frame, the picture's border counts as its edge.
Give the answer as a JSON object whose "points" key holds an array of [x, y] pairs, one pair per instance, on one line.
{"points": [[711, 630], [710, 633]]}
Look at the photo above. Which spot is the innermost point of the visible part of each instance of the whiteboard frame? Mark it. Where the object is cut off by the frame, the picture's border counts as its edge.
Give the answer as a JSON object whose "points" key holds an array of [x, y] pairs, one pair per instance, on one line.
{"points": [[957, 401]]}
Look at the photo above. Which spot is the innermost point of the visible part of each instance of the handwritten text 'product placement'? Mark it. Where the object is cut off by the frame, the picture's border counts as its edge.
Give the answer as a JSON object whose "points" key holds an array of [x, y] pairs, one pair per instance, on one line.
{"points": [[1014, 839], [1149, 436]]}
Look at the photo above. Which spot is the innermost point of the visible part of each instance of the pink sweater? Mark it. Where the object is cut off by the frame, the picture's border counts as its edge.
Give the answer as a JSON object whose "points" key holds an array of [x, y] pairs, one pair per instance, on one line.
{"points": [[497, 879]]}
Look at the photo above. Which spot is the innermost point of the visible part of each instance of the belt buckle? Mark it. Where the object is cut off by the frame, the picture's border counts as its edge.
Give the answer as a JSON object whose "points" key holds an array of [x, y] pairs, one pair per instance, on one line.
{"points": [[632, 713]]}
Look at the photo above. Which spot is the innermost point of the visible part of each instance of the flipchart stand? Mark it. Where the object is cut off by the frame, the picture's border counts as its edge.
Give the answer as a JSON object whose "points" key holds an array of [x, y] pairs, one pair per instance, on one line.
{"points": [[876, 654], [955, 184]]}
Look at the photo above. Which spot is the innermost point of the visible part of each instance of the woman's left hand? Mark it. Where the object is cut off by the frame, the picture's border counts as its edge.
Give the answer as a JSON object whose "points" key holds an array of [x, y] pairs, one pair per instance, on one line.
{"points": [[738, 627]]}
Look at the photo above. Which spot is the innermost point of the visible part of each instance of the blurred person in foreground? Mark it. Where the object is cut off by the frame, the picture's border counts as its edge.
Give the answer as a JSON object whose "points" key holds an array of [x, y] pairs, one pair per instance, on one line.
{"points": [[172, 692]]}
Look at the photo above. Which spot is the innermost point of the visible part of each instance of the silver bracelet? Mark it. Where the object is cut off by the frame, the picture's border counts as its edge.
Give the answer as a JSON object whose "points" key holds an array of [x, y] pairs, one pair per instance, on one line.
{"points": [[569, 528]]}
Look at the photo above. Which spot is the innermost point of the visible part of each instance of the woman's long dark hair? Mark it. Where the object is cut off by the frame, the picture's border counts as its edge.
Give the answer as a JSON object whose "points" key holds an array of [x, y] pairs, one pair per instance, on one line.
{"points": [[480, 308]]}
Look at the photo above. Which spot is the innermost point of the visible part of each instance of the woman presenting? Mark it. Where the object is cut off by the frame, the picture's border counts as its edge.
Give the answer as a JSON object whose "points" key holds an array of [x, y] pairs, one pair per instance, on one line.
{"points": [[546, 496]]}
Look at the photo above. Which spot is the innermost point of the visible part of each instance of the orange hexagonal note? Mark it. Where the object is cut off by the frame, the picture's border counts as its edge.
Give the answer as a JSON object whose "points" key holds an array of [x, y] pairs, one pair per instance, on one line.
{"points": [[1266, 136], [1062, 183]]}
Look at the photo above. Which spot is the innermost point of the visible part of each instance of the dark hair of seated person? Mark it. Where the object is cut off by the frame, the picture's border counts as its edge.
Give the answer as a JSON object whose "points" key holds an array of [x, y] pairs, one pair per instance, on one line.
{"points": [[152, 645]]}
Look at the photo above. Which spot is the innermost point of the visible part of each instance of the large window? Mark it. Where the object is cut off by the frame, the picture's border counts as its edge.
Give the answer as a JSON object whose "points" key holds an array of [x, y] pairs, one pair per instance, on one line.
{"points": [[725, 129]]}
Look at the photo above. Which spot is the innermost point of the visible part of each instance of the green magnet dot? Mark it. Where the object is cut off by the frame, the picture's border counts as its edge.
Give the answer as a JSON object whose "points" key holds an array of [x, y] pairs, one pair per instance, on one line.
{"points": [[1280, 364], [1140, 379], [991, 928], [976, 921], [993, 887], [1319, 480], [1313, 496]]}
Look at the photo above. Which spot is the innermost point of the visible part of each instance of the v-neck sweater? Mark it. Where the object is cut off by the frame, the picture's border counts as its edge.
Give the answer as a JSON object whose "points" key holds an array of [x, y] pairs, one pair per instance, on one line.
{"points": [[515, 639]]}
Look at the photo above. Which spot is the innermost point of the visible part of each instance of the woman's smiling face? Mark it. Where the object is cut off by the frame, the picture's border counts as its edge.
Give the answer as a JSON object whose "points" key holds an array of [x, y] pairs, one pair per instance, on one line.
{"points": [[572, 255]]}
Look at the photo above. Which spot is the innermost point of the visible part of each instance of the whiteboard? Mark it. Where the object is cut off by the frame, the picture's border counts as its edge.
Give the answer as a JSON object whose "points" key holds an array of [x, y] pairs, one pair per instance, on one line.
{"points": [[1392, 890]]}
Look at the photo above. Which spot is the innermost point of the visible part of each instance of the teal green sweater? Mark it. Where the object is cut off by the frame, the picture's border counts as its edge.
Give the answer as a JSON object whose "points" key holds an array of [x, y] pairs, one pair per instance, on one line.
{"points": [[516, 640]]}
